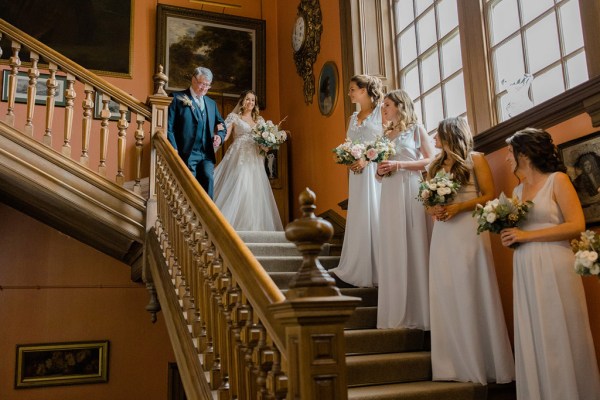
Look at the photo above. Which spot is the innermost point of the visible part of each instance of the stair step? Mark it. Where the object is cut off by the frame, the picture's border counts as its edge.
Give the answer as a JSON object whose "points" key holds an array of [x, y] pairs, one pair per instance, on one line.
{"points": [[378, 341], [263, 236], [368, 295], [293, 264], [363, 318], [420, 391], [376, 369], [280, 249]]}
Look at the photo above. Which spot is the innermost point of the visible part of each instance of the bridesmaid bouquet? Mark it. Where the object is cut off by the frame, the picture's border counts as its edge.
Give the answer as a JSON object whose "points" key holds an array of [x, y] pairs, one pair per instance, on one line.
{"points": [[380, 150], [439, 190], [268, 135], [349, 152], [500, 213], [586, 253]]}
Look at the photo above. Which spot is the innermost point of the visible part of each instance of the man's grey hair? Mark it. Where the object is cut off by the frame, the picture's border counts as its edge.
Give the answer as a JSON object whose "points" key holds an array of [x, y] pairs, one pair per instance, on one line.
{"points": [[205, 72]]}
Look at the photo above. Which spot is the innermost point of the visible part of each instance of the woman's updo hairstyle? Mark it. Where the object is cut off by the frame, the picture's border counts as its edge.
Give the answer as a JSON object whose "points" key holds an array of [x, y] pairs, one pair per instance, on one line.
{"points": [[372, 84], [538, 146]]}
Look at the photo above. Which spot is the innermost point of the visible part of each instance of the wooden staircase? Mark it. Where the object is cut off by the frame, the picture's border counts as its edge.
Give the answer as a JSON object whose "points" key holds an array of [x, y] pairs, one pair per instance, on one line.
{"points": [[381, 363]]}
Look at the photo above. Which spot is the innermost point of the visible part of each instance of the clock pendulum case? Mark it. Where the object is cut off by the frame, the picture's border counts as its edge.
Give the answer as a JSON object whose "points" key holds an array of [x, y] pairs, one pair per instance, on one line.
{"points": [[306, 39]]}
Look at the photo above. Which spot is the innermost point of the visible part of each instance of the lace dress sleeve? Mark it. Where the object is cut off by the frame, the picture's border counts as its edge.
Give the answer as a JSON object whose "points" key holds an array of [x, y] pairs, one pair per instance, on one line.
{"points": [[231, 118]]}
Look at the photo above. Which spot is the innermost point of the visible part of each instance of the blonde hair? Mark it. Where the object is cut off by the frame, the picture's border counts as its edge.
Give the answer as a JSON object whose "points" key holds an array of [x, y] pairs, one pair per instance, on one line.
{"points": [[406, 110], [372, 84], [456, 135]]}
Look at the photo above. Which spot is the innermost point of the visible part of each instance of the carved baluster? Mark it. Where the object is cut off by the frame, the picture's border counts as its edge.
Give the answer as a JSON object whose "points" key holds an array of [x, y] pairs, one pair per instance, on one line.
{"points": [[232, 302], [88, 106], [242, 319], [264, 358], [33, 74], [139, 145], [122, 141], [255, 334], [104, 131], [14, 63], [276, 380], [51, 84], [69, 108], [224, 327], [215, 312]]}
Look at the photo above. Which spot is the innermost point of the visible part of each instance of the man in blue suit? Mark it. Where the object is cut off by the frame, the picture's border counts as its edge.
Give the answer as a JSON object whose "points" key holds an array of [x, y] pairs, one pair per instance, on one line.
{"points": [[195, 128]]}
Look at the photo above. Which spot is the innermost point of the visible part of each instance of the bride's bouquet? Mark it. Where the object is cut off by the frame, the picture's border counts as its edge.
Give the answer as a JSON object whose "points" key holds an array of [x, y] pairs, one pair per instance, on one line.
{"points": [[500, 213], [380, 150], [439, 190], [268, 135], [349, 152], [586, 253]]}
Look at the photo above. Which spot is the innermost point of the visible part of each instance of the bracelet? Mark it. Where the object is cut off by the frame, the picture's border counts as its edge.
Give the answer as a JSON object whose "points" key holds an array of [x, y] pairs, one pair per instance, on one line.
{"points": [[381, 176]]}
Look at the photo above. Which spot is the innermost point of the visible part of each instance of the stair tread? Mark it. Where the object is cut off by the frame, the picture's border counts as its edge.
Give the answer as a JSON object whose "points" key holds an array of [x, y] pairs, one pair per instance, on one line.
{"points": [[358, 359], [424, 390]]}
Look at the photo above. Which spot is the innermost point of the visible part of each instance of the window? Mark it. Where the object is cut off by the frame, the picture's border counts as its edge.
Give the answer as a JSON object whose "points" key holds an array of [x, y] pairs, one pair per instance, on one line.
{"points": [[536, 51], [429, 54]]}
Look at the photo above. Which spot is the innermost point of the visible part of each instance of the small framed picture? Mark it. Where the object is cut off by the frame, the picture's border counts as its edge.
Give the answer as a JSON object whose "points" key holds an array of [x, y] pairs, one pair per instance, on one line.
{"points": [[328, 87], [113, 106], [57, 364], [582, 159], [41, 88]]}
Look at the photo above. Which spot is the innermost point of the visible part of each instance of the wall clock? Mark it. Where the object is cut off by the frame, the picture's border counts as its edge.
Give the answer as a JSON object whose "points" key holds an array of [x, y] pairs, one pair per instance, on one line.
{"points": [[306, 43]]}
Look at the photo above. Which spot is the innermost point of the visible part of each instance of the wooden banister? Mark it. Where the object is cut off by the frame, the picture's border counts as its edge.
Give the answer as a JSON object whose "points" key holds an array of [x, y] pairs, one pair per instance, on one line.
{"points": [[73, 68]]}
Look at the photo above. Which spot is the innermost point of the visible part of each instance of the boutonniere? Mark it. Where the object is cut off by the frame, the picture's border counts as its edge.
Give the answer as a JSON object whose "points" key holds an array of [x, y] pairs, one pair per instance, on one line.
{"points": [[186, 101]]}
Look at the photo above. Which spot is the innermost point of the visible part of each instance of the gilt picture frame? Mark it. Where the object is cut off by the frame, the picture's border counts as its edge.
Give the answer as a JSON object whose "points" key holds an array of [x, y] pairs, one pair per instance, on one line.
{"points": [[232, 47], [98, 35], [57, 364], [41, 89], [113, 106], [582, 159]]}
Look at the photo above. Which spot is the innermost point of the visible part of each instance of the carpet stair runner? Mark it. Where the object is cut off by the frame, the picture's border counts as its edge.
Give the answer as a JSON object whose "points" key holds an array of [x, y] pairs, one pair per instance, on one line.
{"points": [[382, 363]]}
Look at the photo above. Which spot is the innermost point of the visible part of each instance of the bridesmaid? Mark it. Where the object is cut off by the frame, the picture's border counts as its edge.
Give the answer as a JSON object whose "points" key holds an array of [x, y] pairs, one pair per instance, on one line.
{"points": [[357, 262], [554, 349], [469, 339], [404, 240]]}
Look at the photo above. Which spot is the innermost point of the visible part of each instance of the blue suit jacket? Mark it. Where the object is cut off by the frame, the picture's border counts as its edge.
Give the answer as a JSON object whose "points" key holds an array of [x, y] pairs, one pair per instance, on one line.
{"points": [[183, 126]]}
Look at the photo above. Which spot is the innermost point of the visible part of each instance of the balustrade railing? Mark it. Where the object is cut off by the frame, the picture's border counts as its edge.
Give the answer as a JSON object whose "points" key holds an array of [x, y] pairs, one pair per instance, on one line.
{"points": [[104, 115]]}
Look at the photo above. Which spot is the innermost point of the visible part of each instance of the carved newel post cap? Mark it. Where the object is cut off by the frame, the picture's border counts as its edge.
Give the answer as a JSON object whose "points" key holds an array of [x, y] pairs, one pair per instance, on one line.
{"points": [[309, 233], [160, 81]]}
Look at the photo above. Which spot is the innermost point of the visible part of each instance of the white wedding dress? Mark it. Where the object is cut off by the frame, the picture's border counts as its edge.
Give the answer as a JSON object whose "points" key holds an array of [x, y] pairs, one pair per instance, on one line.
{"points": [[554, 348], [359, 252], [242, 190], [469, 339], [403, 243]]}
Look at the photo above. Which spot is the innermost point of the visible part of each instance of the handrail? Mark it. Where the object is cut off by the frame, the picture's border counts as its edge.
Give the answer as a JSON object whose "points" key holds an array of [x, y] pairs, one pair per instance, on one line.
{"points": [[71, 67], [256, 284]]}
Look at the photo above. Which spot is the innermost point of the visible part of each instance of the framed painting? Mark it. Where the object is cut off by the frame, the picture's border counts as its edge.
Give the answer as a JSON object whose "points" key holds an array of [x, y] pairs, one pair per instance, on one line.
{"points": [[57, 364], [232, 47], [328, 88], [582, 159], [41, 94], [96, 34], [113, 106]]}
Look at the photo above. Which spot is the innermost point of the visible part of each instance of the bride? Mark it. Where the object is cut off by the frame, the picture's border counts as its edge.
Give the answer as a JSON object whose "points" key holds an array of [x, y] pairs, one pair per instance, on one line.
{"points": [[242, 189]]}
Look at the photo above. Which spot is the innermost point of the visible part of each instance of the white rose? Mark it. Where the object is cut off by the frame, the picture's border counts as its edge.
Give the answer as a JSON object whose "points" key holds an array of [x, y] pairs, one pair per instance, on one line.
{"points": [[444, 191], [491, 217], [425, 194], [488, 208], [593, 256], [432, 186], [595, 269]]}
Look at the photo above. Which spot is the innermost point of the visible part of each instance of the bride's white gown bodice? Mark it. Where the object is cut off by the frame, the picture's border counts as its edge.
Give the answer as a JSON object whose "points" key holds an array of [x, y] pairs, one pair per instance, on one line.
{"points": [[242, 189]]}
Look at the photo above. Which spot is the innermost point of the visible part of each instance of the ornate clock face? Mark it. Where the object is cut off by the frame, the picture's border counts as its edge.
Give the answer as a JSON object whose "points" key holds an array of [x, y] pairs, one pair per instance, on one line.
{"points": [[299, 33]]}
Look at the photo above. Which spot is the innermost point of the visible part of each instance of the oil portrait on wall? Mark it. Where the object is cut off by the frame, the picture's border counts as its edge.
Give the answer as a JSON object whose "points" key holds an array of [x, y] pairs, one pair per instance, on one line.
{"points": [[96, 34], [232, 47], [582, 159]]}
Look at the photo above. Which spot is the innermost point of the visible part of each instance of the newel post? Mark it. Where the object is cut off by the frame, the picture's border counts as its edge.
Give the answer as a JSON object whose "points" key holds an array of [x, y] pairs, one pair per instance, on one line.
{"points": [[314, 314], [159, 101]]}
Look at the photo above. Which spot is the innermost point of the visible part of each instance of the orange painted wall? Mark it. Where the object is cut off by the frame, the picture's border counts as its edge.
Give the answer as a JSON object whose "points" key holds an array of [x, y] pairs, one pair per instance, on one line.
{"points": [[505, 182], [313, 135], [83, 295]]}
